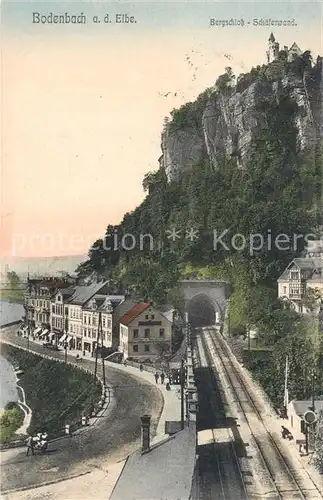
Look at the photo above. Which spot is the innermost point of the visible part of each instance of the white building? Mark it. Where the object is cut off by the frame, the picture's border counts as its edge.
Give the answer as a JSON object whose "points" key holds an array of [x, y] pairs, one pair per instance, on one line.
{"points": [[273, 50], [301, 276], [98, 305], [295, 411], [81, 295], [144, 330]]}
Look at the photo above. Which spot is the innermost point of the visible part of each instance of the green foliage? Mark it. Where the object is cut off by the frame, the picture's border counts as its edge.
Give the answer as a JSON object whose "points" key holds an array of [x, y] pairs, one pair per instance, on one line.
{"points": [[318, 452], [225, 81], [58, 394], [277, 193], [14, 289], [10, 420]]}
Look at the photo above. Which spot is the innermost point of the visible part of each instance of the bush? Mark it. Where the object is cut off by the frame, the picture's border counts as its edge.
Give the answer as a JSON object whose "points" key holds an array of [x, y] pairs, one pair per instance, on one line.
{"points": [[58, 394], [10, 420]]}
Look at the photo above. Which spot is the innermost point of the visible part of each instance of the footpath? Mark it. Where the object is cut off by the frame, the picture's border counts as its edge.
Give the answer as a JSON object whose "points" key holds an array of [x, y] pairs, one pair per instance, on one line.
{"points": [[98, 483]]}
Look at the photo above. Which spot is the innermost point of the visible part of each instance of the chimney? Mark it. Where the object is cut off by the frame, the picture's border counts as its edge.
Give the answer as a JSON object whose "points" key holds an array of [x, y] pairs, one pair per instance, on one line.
{"points": [[145, 433]]}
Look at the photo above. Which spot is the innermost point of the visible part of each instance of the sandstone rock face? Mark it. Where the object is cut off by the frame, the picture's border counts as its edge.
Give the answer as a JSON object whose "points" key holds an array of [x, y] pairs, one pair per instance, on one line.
{"points": [[230, 124]]}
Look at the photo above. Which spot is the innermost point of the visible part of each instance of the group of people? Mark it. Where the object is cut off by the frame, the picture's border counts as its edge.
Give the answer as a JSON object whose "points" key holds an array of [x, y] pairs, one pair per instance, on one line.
{"points": [[163, 379], [38, 442]]}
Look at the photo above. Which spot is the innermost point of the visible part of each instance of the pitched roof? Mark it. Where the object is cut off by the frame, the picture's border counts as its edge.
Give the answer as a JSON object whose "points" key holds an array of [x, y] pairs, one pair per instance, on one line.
{"points": [[134, 312], [166, 471], [302, 263], [301, 407], [84, 293], [122, 309]]}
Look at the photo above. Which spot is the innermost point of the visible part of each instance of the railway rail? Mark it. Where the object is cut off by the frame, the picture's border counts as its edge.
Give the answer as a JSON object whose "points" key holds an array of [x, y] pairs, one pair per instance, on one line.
{"points": [[224, 474], [286, 481]]}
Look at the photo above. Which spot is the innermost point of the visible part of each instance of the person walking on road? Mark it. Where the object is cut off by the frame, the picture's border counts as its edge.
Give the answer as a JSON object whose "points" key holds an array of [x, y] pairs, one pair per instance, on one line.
{"points": [[162, 378], [156, 377], [141, 368], [30, 446]]}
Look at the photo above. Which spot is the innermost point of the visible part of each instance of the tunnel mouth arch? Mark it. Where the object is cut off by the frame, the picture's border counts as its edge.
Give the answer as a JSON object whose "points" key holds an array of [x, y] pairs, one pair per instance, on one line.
{"points": [[201, 311]]}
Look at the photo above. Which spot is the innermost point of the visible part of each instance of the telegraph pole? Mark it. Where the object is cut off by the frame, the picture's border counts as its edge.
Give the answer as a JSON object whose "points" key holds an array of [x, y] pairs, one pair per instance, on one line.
{"points": [[28, 335], [97, 351], [313, 390], [99, 347], [182, 394], [102, 355]]}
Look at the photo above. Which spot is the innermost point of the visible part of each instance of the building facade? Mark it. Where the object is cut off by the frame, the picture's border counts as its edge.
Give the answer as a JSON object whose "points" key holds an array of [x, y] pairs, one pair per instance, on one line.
{"points": [[303, 276], [40, 293], [274, 49], [145, 332], [59, 313], [98, 306]]}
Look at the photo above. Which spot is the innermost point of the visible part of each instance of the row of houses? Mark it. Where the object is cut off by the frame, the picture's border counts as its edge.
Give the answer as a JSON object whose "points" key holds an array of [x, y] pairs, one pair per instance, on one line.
{"points": [[60, 311]]}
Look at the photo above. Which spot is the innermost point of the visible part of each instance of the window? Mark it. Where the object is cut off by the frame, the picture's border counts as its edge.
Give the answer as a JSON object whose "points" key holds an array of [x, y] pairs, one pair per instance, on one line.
{"points": [[146, 317], [146, 348], [85, 320], [103, 321], [136, 333], [58, 298], [161, 332], [66, 311], [294, 275], [147, 332], [152, 316], [109, 323], [53, 309], [135, 348]]}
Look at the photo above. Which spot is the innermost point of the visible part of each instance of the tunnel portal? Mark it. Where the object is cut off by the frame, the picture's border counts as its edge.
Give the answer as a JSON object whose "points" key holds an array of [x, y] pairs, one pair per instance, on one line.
{"points": [[201, 311]]}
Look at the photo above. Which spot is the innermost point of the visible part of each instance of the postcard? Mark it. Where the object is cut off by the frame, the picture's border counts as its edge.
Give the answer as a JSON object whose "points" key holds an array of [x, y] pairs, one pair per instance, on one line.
{"points": [[161, 250]]}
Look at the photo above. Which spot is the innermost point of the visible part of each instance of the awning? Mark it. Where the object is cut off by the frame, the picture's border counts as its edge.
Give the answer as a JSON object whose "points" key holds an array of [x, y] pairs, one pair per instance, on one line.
{"points": [[52, 335], [43, 333], [62, 338], [37, 331], [68, 339]]}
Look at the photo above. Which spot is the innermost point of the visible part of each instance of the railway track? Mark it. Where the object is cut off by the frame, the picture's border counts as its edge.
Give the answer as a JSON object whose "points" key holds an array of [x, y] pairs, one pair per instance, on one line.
{"points": [[281, 479], [221, 475]]}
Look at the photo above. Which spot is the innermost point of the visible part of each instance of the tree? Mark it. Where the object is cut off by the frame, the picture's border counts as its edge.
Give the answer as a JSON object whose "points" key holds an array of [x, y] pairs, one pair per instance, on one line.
{"points": [[162, 349], [318, 452], [13, 279], [225, 81]]}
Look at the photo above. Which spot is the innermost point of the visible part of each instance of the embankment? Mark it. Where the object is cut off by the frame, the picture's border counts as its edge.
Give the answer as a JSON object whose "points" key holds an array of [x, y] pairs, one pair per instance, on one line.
{"points": [[57, 394]]}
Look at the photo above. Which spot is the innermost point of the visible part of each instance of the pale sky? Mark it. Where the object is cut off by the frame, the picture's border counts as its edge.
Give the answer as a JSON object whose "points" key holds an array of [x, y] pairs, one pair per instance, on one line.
{"points": [[83, 106]]}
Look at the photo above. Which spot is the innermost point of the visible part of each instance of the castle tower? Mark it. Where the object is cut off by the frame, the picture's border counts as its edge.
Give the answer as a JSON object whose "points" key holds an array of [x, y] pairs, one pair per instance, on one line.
{"points": [[273, 49]]}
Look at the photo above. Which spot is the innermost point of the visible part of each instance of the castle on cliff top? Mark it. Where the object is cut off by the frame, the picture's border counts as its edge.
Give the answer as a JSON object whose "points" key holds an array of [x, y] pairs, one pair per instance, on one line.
{"points": [[273, 50]]}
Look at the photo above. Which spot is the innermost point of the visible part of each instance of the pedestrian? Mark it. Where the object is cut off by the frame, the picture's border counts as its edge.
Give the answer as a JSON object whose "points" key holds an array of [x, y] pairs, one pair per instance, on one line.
{"points": [[156, 377], [141, 367], [30, 446], [162, 378], [167, 382]]}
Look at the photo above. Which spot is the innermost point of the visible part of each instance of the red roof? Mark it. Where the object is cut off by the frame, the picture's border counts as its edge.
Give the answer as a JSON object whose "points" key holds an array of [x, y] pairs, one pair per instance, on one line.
{"points": [[134, 312]]}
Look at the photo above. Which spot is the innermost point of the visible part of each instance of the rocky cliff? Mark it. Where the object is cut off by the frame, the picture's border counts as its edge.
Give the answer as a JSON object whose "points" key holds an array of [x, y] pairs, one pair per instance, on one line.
{"points": [[230, 122]]}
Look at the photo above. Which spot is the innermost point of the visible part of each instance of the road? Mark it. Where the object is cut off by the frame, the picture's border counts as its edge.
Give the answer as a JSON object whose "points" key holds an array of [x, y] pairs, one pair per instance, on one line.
{"points": [[259, 459], [115, 436]]}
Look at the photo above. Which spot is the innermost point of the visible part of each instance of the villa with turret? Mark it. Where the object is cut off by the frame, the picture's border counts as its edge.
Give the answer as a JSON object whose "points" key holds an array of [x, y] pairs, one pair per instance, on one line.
{"points": [[274, 50]]}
